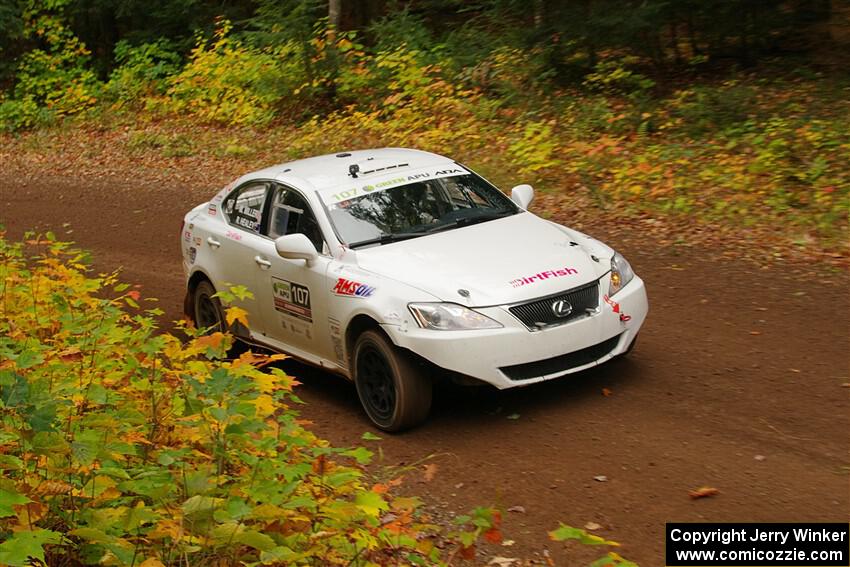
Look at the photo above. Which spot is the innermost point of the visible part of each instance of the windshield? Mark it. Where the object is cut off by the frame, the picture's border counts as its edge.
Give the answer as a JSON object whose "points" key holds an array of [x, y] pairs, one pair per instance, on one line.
{"points": [[397, 209]]}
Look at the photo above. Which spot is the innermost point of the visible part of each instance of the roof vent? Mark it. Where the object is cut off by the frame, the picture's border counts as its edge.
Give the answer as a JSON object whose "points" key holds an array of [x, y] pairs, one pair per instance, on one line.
{"points": [[344, 154], [377, 169]]}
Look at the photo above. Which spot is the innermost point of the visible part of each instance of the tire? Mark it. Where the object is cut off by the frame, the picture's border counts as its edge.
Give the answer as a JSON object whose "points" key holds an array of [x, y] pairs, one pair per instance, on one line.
{"points": [[206, 309], [393, 389]]}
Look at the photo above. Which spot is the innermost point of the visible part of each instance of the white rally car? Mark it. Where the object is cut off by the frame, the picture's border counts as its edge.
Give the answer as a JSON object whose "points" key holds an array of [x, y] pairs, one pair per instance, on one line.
{"points": [[373, 264]]}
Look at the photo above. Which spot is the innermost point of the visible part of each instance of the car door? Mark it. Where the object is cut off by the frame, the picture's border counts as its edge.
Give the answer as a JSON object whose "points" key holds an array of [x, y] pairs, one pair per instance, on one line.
{"points": [[235, 250], [293, 295]]}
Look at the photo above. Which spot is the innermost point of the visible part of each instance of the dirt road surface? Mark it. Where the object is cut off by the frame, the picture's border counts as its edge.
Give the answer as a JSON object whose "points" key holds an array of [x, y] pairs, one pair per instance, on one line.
{"points": [[739, 382]]}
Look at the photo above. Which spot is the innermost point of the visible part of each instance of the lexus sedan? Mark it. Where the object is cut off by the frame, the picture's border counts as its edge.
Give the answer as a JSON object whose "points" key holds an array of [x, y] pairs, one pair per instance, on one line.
{"points": [[386, 265]]}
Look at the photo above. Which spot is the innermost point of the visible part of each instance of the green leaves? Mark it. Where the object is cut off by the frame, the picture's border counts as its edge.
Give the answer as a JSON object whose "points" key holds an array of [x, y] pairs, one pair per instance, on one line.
{"points": [[371, 503], [18, 550], [8, 499], [565, 532]]}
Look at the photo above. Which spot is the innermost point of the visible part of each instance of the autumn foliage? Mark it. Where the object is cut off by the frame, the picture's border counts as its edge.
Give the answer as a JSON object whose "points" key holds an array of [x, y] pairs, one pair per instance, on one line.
{"points": [[124, 445]]}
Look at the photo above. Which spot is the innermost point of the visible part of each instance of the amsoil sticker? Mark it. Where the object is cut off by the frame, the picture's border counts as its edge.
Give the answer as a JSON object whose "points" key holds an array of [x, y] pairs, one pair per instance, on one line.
{"points": [[557, 273], [351, 288], [292, 299]]}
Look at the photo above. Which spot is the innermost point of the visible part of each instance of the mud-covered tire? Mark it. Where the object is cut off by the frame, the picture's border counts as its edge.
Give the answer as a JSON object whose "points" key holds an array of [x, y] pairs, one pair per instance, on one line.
{"points": [[393, 389]]}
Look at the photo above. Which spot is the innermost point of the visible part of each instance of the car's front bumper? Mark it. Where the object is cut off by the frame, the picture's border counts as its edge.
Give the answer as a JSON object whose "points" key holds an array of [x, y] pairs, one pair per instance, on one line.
{"points": [[514, 356]]}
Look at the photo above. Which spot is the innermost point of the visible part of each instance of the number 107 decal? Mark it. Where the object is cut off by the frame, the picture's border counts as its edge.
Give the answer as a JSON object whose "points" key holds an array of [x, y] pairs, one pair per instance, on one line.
{"points": [[292, 299]]}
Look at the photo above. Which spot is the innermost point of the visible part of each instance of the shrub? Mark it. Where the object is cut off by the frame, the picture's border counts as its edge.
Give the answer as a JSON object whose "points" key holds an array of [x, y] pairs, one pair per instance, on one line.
{"points": [[56, 77], [225, 81], [121, 445], [142, 69]]}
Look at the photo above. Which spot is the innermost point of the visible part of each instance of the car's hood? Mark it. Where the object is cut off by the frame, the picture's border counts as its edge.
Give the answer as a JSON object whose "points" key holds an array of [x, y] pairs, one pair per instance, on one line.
{"points": [[500, 261]]}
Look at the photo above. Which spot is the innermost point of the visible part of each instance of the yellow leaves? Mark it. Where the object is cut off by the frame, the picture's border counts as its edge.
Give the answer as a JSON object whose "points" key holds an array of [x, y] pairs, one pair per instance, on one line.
{"points": [[233, 314], [265, 404], [166, 528]]}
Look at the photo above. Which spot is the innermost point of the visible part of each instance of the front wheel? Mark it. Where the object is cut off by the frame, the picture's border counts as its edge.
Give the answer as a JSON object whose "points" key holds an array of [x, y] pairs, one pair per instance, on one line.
{"points": [[394, 391]]}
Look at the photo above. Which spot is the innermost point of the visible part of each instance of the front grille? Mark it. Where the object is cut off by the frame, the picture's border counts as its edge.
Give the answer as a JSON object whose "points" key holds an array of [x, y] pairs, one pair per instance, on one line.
{"points": [[538, 314], [560, 363]]}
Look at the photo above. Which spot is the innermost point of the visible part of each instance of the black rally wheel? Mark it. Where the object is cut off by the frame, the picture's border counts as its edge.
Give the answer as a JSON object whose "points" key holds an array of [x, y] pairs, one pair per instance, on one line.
{"points": [[207, 309], [394, 391]]}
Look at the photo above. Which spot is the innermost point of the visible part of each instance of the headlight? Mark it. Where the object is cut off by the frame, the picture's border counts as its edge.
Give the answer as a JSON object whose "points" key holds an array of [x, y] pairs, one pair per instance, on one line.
{"points": [[621, 274], [450, 317]]}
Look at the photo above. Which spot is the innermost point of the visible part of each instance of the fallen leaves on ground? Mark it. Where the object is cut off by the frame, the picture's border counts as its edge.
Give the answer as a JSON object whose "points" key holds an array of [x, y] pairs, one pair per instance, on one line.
{"points": [[703, 492], [430, 471]]}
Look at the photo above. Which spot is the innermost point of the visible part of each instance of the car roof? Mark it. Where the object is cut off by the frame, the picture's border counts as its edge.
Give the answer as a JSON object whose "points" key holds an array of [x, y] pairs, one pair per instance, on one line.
{"points": [[332, 170]]}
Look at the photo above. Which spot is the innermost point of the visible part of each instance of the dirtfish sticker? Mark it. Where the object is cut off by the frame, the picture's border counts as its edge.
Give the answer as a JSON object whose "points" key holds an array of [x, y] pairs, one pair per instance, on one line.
{"points": [[292, 299], [558, 273], [333, 196], [350, 288]]}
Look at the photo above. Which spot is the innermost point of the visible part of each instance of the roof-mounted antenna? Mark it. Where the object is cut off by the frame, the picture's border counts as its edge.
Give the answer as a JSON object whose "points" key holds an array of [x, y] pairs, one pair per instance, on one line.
{"points": [[353, 170]]}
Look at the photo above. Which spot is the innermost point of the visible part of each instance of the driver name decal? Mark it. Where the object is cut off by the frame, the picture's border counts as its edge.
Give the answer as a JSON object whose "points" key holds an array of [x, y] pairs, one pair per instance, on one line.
{"points": [[560, 272], [350, 288], [292, 299]]}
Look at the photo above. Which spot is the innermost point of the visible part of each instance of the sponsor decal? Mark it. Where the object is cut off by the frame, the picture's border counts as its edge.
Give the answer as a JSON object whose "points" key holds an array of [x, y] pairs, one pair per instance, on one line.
{"points": [[336, 339], [292, 299], [296, 327], [336, 197], [557, 273], [212, 210], [233, 235], [193, 253], [352, 288], [187, 235], [615, 307], [197, 241]]}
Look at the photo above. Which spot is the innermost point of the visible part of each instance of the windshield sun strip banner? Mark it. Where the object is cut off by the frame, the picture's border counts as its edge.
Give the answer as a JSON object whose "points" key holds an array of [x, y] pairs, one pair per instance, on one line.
{"points": [[355, 190]]}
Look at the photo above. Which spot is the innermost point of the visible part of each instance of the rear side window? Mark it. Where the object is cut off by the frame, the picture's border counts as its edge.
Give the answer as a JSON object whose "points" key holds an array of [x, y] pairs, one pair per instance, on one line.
{"points": [[244, 207], [290, 214]]}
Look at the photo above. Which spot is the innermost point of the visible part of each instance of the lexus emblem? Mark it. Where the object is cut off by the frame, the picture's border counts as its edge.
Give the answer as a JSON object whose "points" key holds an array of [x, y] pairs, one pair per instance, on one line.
{"points": [[562, 308]]}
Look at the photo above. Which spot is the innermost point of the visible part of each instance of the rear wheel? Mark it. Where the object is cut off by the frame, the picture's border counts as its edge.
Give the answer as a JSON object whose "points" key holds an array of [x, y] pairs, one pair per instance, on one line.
{"points": [[394, 390], [207, 309]]}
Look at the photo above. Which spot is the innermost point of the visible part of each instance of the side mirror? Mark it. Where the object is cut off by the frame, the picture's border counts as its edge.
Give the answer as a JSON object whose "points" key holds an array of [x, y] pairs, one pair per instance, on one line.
{"points": [[522, 195], [296, 247]]}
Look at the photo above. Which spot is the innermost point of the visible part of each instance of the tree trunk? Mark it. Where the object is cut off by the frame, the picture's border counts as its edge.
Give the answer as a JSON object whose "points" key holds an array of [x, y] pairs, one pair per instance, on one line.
{"points": [[334, 13]]}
